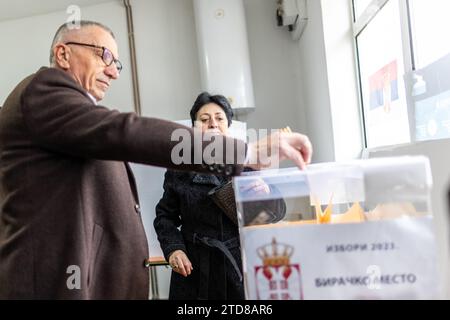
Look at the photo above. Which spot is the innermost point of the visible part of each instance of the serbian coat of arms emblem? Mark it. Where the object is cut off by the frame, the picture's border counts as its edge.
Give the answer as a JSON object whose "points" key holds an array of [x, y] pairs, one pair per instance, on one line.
{"points": [[277, 278]]}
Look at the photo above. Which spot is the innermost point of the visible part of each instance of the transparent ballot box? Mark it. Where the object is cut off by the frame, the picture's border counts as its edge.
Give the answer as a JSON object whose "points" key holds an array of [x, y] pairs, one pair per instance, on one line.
{"points": [[356, 230]]}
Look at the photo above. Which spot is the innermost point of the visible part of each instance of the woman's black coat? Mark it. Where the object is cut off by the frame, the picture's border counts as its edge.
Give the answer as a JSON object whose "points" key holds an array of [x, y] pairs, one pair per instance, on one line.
{"points": [[187, 219]]}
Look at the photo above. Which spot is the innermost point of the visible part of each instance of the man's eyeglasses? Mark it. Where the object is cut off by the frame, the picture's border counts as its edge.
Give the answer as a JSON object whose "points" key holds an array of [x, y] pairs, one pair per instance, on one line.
{"points": [[106, 56]]}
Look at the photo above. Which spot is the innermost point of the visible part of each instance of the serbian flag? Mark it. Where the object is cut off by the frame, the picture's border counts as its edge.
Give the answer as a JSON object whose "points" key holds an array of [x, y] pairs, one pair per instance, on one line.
{"points": [[384, 86]]}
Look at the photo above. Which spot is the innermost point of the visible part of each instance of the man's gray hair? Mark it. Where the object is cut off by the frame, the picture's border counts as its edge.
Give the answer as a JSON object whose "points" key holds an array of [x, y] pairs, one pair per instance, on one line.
{"points": [[64, 29]]}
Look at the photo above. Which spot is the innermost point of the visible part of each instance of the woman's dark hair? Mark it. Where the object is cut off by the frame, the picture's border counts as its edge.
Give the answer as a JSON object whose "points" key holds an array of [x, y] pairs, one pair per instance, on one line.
{"points": [[205, 98]]}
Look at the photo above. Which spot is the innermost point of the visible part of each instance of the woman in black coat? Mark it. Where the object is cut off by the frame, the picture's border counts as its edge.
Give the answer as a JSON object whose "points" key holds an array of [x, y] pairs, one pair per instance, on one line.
{"points": [[198, 240]]}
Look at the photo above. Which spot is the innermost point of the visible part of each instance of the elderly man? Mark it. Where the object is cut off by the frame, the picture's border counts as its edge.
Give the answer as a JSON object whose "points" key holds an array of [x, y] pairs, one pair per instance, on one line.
{"points": [[70, 223]]}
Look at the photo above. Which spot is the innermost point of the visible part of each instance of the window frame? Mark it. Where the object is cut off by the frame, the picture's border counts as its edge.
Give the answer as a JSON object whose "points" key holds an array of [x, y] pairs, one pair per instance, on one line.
{"points": [[359, 25]]}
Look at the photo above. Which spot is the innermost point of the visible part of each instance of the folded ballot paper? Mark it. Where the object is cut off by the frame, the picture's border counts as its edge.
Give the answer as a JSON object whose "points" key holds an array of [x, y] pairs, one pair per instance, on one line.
{"points": [[356, 230], [356, 214]]}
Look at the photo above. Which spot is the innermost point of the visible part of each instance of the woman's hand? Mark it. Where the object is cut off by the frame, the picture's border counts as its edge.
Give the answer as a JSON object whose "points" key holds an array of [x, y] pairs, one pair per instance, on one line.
{"points": [[257, 187], [180, 263]]}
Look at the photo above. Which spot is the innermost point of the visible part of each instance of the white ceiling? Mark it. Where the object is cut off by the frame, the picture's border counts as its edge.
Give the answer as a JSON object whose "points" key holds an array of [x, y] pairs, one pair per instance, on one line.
{"points": [[14, 9]]}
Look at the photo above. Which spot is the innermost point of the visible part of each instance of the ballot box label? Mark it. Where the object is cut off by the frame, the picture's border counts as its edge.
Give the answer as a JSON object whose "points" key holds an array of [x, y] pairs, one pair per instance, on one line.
{"points": [[392, 259]]}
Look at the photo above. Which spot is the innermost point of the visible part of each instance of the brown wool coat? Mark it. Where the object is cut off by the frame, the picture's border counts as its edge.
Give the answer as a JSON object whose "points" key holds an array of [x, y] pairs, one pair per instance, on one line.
{"points": [[67, 195]]}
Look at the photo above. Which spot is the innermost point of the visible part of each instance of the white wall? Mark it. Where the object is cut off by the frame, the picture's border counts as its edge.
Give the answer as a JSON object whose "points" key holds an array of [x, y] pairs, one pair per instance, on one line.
{"points": [[342, 84], [169, 70], [17, 9], [167, 57], [328, 81], [275, 70], [316, 97], [26, 46]]}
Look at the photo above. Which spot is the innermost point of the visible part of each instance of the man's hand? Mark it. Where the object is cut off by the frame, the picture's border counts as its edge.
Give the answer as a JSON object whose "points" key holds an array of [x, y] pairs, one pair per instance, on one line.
{"points": [[180, 263], [269, 151]]}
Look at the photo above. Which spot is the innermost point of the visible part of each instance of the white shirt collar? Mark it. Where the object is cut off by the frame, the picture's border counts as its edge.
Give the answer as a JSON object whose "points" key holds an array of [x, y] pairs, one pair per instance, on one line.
{"points": [[92, 98]]}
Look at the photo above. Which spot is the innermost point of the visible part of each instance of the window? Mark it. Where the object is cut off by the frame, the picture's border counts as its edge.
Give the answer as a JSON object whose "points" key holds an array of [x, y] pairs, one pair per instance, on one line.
{"points": [[360, 6], [431, 26], [404, 69]]}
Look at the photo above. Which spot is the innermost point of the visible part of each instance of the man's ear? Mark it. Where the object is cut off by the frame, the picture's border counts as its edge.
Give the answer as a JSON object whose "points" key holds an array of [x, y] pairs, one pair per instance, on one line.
{"points": [[62, 54]]}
